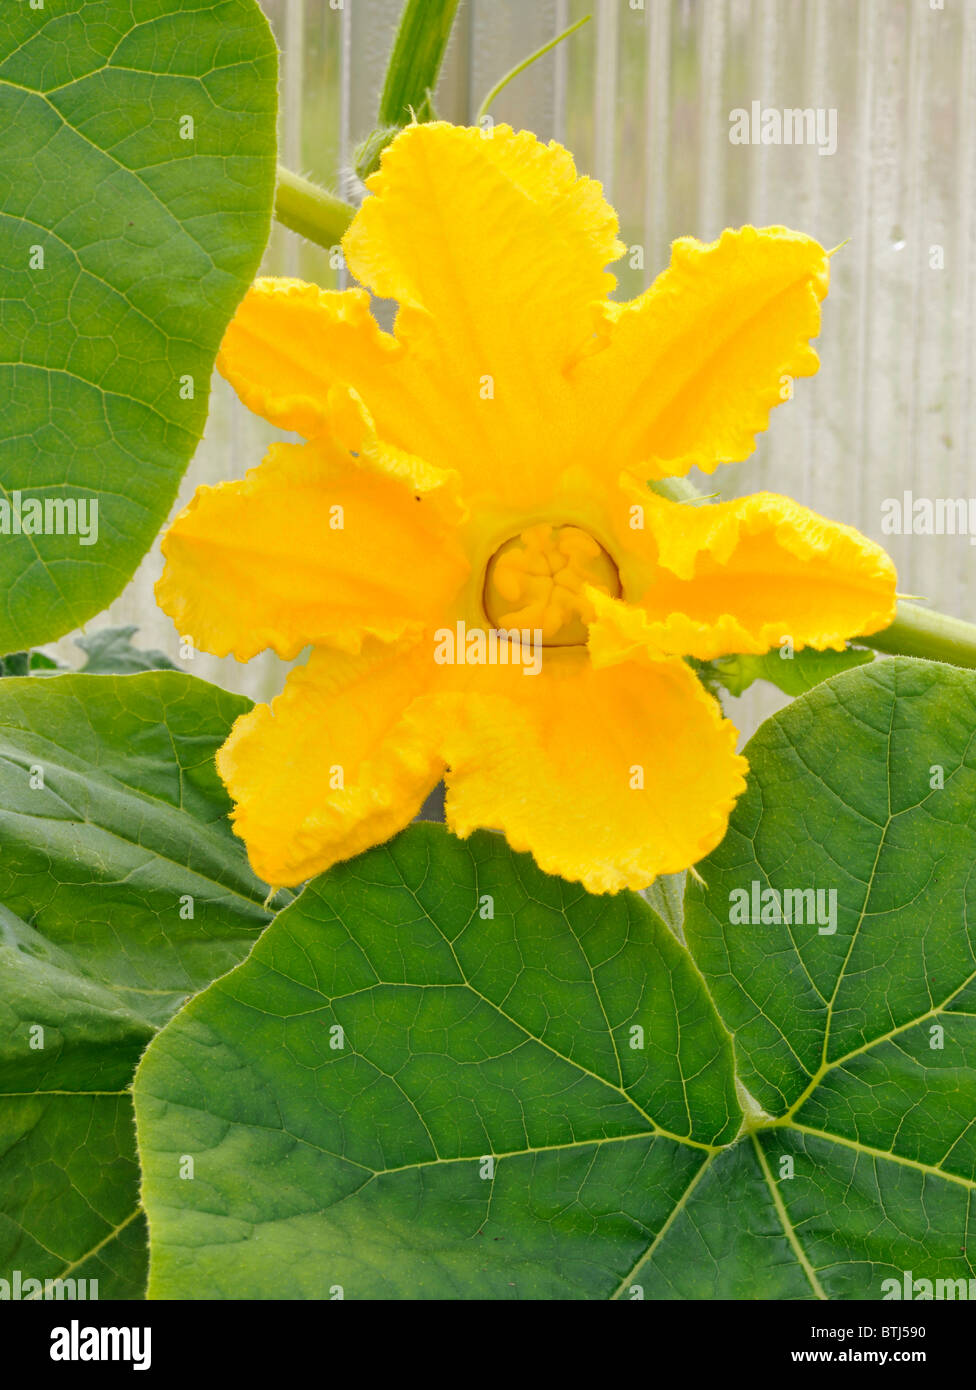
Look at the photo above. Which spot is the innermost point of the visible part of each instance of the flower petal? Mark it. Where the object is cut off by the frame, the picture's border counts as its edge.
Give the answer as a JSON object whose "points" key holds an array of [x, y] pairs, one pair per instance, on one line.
{"points": [[694, 365], [554, 762], [492, 235], [311, 547], [311, 360], [740, 576], [495, 250], [290, 342], [329, 768]]}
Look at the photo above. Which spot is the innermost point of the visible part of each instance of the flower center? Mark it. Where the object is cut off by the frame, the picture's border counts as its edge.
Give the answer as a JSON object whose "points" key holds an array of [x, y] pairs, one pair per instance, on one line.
{"points": [[536, 579]]}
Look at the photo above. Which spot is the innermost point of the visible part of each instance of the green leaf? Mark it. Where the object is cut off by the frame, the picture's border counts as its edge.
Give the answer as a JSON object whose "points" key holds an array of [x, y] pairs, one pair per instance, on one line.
{"points": [[355, 1157], [794, 674], [863, 789], [113, 828], [110, 652], [127, 239], [356, 1160], [24, 663]]}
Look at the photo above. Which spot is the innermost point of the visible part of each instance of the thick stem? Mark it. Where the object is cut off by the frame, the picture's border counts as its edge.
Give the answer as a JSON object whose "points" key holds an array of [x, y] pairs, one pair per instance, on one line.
{"points": [[919, 631], [415, 62], [411, 76], [305, 208]]}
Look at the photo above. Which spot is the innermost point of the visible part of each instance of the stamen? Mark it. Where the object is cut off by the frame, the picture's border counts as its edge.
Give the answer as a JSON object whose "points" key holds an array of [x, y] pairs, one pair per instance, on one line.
{"points": [[536, 580]]}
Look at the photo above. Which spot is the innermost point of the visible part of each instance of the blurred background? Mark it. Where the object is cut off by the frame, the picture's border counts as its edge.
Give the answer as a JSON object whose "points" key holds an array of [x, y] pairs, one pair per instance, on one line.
{"points": [[642, 96]]}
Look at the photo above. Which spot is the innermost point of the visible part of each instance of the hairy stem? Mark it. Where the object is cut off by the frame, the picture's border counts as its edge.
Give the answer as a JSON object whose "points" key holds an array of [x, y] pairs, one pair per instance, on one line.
{"points": [[919, 631], [305, 208], [415, 62]]}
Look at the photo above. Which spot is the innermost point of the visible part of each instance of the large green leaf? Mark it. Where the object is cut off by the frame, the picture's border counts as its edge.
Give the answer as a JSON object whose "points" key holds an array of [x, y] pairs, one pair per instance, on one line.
{"points": [[124, 891], [355, 1158], [127, 238], [858, 1041]]}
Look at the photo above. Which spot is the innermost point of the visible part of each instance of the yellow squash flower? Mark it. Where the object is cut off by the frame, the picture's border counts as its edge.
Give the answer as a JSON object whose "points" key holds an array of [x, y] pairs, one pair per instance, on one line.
{"points": [[484, 469]]}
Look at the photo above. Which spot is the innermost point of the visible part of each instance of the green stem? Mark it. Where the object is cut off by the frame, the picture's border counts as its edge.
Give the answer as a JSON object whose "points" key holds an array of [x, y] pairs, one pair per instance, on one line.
{"points": [[922, 632], [411, 76], [485, 106], [916, 631], [309, 210], [415, 61]]}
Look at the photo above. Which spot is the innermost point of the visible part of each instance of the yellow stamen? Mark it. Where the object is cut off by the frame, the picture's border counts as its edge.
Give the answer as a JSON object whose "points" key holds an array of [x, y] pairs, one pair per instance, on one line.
{"points": [[536, 580]]}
